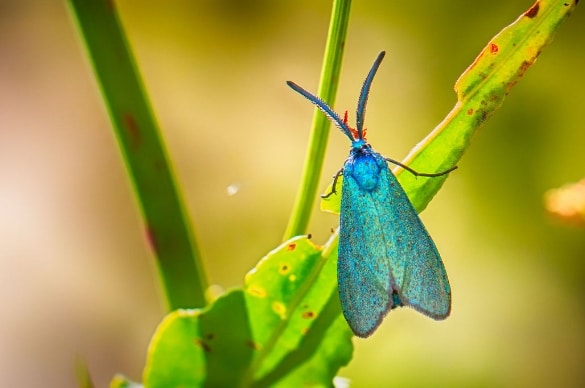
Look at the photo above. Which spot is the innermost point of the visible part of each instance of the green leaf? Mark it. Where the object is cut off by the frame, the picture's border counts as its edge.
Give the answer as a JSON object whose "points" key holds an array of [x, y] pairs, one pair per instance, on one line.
{"points": [[481, 90], [284, 328]]}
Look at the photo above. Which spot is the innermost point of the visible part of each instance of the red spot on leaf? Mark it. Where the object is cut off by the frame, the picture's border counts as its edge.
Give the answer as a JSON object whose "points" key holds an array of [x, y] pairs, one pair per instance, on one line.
{"points": [[494, 48], [291, 247], [470, 111], [533, 11], [525, 65], [308, 315]]}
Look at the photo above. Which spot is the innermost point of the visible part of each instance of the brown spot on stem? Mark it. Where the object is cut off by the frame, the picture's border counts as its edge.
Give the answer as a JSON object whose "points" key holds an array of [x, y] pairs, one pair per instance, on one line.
{"points": [[132, 129], [151, 238]]}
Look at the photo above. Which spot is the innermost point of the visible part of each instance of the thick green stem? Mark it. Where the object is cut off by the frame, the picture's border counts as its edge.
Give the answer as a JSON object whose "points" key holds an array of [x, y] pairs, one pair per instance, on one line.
{"points": [[167, 227]]}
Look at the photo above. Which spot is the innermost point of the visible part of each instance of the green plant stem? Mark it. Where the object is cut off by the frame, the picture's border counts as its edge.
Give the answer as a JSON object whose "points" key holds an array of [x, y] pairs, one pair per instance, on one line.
{"points": [[167, 227], [320, 127]]}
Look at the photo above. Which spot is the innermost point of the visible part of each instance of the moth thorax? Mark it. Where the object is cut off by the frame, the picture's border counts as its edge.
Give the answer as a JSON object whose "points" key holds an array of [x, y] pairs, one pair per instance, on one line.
{"points": [[366, 170]]}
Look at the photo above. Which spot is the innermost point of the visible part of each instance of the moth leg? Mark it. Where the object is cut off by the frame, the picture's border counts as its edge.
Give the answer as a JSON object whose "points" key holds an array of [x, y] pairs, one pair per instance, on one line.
{"points": [[416, 173], [333, 190]]}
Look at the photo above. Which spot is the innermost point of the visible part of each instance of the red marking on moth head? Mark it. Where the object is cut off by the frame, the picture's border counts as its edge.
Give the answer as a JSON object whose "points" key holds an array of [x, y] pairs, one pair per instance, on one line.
{"points": [[353, 131], [494, 48], [291, 247], [308, 315], [470, 111]]}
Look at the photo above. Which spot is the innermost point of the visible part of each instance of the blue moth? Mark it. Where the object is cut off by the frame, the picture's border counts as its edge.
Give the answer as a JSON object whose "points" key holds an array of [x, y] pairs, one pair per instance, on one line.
{"points": [[386, 257]]}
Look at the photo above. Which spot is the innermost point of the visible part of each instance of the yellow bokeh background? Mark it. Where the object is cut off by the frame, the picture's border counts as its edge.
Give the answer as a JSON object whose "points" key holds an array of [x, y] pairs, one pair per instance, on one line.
{"points": [[77, 278]]}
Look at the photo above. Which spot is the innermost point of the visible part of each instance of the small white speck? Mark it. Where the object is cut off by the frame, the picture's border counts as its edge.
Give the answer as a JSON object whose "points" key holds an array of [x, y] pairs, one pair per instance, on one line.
{"points": [[341, 382], [233, 189]]}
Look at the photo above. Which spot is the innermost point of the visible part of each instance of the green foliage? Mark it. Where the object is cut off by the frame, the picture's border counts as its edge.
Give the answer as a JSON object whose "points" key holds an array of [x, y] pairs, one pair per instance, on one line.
{"points": [[481, 90], [283, 329]]}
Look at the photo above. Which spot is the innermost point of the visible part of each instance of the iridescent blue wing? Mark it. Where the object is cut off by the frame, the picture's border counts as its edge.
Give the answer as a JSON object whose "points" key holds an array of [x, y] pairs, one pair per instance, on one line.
{"points": [[386, 256], [416, 266], [363, 269]]}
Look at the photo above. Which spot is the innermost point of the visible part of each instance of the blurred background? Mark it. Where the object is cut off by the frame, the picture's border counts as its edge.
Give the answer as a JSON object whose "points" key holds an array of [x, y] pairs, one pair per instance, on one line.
{"points": [[77, 277]]}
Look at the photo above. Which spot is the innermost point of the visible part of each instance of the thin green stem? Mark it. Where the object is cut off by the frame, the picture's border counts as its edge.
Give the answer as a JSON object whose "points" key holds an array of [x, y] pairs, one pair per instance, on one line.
{"points": [[167, 227], [320, 127]]}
